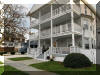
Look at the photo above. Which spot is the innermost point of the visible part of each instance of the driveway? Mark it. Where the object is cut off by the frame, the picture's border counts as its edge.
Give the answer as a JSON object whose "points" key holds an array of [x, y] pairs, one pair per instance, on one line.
{"points": [[24, 65]]}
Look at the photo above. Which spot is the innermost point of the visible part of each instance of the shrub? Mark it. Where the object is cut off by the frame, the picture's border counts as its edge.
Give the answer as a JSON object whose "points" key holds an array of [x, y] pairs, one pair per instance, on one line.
{"points": [[48, 57], [5, 52], [1, 53], [76, 60], [12, 53]]}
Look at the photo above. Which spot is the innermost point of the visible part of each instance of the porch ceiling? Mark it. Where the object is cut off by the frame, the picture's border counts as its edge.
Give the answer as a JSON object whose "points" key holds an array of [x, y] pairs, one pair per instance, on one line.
{"points": [[66, 18], [65, 36]]}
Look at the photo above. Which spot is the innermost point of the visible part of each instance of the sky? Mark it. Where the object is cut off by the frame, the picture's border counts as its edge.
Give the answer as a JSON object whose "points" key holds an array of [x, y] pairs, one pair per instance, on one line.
{"points": [[36, 1]]}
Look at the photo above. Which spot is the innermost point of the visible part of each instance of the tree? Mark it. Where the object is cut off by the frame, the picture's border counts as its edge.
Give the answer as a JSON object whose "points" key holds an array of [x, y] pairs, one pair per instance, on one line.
{"points": [[14, 23]]}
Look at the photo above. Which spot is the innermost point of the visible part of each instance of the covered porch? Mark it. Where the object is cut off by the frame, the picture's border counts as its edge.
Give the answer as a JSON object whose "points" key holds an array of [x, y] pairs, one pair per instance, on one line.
{"points": [[61, 44]]}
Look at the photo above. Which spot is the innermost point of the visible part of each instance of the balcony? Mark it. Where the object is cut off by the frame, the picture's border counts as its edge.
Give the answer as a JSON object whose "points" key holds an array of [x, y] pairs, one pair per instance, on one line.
{"points": [[62, 29], [61, 50], [34, 22], [45, 17], [45, 33], [77, 8], [61, 10], [77, 28], [56, 12]]}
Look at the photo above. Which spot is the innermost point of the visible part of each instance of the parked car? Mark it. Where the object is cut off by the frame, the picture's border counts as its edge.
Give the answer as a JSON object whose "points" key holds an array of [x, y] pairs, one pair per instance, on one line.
{"points": [[23, 48]]}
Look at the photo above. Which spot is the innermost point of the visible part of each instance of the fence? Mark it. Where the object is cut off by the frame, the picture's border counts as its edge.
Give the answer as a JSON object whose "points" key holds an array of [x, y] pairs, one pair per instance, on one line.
{"points": [[90, 53]]}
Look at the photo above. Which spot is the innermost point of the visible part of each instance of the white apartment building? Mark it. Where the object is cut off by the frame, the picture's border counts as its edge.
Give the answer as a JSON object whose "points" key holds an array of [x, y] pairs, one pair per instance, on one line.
{"points": [[63, 25]]}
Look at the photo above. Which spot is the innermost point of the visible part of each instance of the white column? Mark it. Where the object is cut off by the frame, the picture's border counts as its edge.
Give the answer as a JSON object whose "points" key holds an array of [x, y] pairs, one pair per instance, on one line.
{"points": [[39, 27], [72, 22], [51, 31], [90, 43], [29, 37], [82, 24]]}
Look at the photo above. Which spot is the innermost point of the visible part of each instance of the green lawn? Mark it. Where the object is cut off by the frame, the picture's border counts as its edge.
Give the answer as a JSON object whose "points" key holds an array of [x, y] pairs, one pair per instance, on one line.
{"points": [[20, 58], [1, 69], [8, 70], [60, 69], [1, 62]]}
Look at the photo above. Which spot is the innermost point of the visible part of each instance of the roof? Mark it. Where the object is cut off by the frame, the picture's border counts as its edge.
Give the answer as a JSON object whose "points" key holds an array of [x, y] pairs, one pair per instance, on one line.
{"points": [[38, 6]]}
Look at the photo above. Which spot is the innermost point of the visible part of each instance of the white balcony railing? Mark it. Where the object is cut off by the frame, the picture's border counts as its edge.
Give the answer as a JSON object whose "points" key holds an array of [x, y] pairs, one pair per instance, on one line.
{"points": [[45, 17], [61, 9], [62, 28], [56, 30], [61, 50], [55, 12], [76, 8], [34, 22], [45, 33], [77, 28]]}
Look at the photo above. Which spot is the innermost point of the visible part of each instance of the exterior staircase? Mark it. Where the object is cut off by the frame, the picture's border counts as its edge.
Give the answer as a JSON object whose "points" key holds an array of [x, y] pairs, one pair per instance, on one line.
{"points": [[58, 53], [41, 56]]}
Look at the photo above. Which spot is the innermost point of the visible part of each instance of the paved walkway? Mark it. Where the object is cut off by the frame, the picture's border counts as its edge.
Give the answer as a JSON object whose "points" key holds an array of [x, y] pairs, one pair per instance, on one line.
{"points": [[23, 65]]}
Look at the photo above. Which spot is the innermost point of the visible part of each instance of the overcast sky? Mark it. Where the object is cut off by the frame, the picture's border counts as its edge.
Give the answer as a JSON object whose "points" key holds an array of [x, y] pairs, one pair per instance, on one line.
{"points": [[36, 1]]}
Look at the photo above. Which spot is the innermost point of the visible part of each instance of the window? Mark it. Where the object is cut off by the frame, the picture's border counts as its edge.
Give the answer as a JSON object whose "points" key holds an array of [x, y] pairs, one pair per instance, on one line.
{"points": [[86, 46], [10, 44], [98, 32], [91, 28], [86, 27], [33, 46], [85, 10], [4, 44]]}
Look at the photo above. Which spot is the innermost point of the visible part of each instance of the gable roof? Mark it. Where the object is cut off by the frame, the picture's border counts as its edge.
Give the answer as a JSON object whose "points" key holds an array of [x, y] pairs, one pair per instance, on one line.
{"points": [[38, 6]]}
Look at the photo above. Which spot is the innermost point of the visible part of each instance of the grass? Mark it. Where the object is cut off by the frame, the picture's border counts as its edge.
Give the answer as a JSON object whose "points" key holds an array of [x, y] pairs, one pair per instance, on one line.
{"points": [[1, 62], [1, 69], [20, 58], [8, 70], [58, 68]]}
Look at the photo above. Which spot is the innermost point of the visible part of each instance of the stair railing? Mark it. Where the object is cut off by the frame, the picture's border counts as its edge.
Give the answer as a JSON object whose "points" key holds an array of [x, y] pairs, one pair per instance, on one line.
{"points": [[38, 52], [47, 53]]}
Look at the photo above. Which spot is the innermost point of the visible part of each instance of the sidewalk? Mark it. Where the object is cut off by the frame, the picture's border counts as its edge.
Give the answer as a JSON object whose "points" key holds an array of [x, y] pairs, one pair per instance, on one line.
{"points": [[23, 66]]}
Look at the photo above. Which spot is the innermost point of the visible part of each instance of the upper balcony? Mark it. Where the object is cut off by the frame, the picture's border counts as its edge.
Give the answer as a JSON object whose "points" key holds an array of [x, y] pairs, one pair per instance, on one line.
{"points": [[34, 23], [61, 9], [58, 11], [61, 30], [77, 28], [45, 17], [45, 33], [76, 8]]}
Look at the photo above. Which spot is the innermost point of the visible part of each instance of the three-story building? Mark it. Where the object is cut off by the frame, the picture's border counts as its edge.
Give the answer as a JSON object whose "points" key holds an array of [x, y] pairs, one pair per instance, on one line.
{"points": [[63, 24]]}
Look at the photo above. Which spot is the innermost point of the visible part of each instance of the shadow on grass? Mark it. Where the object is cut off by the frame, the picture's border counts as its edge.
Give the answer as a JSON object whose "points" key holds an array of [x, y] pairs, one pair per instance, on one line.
{"points": [[8, 70]]}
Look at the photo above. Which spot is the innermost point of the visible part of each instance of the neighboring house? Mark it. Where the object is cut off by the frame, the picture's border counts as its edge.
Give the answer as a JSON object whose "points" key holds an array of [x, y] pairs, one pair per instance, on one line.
{"points": [[11, 41], [63, 26], [98, 25]]}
